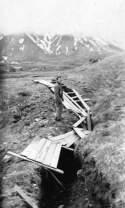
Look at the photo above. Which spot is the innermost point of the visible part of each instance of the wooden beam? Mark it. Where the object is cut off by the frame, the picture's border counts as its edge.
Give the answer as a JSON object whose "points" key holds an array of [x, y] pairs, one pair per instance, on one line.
{"points": [[70, 92], [40, 164], [72, 142], [62, 136], [67, 148], [74, 97], [80, 132], [37, 149], [79, 121], [89, 122], [86, 99], [82, 101], [24, 196], [81, 109], [47, 160], [30, 147], [56, 155], [73, 107], [40, 157]]}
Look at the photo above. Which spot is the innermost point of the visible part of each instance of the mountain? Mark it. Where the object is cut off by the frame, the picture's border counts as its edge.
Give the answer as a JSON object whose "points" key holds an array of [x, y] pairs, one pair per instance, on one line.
{"points": [[32, 45]]}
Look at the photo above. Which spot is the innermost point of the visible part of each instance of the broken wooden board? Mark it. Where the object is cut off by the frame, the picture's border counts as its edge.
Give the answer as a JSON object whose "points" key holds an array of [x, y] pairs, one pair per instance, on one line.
{"points": [[44, 82], [49, 154], [82, 101], [81, 132], [78, 106], [30, 147], [40, 157], [56, 155], [62, 136], [37, 149], [35, 162], [24, 196], [79, 121]]}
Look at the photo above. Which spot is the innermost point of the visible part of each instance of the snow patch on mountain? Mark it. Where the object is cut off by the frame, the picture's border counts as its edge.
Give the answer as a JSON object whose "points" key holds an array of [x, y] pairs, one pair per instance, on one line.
{"points": [[92, 42], [21, 40], [22, 48], [101, 41]]}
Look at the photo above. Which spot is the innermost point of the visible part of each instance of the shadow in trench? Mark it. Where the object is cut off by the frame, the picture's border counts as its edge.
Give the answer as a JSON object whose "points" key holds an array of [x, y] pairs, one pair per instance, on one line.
{"points": [[54, 195]]}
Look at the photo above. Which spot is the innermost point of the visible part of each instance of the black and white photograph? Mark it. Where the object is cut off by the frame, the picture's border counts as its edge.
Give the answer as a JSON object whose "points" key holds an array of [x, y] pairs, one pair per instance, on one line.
{"points": [[62, 103]]}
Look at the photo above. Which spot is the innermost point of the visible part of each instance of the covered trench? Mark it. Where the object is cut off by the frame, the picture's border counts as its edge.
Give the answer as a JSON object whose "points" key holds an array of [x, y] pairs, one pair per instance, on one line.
{"points": [[56, 154]]}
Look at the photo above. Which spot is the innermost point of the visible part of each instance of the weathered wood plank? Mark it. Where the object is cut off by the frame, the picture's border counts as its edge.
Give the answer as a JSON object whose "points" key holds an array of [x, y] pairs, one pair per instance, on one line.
{"points": [[47, 160], [43, 152], [79, 121], [80, 132], [33, 154], [73, 140], [73, 107], [89, 122], [37, 163], [24, 196], [82, 101], [30, 147], [62, 136], [56, 155], [78, 106], [44, 82]]}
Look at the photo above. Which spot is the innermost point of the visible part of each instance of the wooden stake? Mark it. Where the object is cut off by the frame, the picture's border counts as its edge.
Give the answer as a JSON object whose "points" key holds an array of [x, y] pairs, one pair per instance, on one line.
{"points": [[24, 196], [46, 167]]}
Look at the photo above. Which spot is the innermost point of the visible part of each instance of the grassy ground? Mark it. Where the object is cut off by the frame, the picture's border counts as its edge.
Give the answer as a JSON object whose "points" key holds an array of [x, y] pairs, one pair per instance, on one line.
{"points": [[104, 83]]}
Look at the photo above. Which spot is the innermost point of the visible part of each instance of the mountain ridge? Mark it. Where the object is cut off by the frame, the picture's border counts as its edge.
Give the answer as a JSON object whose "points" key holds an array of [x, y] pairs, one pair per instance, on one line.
{"points": [[29, 45]]}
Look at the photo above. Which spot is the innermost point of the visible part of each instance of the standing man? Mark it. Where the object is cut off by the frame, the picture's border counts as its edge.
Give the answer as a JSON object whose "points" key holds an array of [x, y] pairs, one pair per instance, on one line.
{"points": [[58, 98]]}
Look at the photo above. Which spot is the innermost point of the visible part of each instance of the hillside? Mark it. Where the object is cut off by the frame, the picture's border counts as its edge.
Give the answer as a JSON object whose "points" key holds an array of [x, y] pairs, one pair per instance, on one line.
{"points": [[104, 84], [27, 110]]}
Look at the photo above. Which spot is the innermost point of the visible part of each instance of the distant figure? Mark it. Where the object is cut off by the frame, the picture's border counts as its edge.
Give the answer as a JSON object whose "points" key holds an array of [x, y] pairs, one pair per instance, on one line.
{"points": [[58, 98]]}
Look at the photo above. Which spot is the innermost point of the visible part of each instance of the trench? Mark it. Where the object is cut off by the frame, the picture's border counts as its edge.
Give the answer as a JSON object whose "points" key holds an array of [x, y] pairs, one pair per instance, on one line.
{"points": [[54, 194], [93, 192]]}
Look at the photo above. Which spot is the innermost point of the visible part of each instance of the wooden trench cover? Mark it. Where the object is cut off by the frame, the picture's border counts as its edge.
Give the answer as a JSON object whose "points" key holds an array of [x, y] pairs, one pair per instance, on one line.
{"points": [[46, 152]]}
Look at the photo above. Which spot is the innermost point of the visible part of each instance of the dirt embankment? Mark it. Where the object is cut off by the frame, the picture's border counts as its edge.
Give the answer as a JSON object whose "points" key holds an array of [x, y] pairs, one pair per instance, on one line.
{"points": [[104, 83], [27, 110]]}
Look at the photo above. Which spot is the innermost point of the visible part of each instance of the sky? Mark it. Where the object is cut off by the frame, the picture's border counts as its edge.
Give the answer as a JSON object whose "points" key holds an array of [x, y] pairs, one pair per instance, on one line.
{"points": [[98, 18]]}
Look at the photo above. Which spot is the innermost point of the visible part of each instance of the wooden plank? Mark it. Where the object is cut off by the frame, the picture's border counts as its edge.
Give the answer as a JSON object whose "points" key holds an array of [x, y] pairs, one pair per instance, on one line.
{"points": [[56, 155], [80, 132], [72, 142], [24, 196], [79, 121], [44, 82], [30, 147], [67, 140], [67, 148], [86, 99], [89, 122], [62, 136], [82, 110], [43, 152], [82, 101], [73, 107], [40, 164], [70, 92], [33, 154], [47, 160], [74, 97]]}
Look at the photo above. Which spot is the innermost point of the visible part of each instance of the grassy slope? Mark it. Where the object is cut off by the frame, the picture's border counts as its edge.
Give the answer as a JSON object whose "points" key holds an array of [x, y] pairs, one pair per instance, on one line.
{"points": [[104, 83]]}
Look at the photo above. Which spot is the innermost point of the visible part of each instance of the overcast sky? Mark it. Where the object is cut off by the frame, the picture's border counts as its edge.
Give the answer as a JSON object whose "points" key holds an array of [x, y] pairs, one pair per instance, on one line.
{"points": [[100, 18]]}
